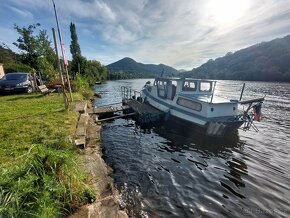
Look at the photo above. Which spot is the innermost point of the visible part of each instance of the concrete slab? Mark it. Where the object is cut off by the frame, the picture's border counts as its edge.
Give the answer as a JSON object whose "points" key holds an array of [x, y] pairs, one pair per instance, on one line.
{"points": [[81, 106]]}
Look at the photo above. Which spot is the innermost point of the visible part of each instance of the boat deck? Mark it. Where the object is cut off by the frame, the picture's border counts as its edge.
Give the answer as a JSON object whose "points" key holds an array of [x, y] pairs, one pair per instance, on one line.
{"points": [[207, 98]]}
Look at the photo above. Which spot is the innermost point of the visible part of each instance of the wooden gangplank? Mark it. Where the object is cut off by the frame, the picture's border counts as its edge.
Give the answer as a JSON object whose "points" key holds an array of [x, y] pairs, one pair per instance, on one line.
{"points": [[142, 108], [146, 113], [110, 109], [115, 117]]}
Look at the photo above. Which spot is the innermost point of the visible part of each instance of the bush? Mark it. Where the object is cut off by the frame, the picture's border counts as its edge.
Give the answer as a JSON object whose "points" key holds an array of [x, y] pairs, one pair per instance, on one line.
{"points": [[82, 86]]}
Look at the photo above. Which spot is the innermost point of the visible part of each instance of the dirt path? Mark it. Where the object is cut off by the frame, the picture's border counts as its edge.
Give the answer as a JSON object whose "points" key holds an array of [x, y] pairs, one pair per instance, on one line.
{"points": [[107, 203]]}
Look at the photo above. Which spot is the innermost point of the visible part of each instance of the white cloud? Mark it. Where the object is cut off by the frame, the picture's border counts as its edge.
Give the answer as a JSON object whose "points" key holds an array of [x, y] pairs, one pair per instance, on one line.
{"points": [[180, 33], [95, 10], [22, 13]]}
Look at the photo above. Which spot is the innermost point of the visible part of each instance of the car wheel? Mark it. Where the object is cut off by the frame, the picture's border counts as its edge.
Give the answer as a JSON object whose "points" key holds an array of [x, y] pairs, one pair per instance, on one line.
{"points": [[29, 89]]}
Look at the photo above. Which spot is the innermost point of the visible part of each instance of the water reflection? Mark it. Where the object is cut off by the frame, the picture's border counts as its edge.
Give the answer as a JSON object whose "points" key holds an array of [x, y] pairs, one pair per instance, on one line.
{"points": [[171, 167], [165, 171]]}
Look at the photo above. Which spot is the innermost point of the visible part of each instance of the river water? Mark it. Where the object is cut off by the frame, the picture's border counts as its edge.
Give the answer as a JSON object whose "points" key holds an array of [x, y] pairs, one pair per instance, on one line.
{"points": [[172, 171]]}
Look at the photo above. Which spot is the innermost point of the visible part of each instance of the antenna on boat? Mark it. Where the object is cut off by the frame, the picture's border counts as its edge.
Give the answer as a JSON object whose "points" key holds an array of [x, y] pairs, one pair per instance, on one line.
{"points": [[242, 92]]}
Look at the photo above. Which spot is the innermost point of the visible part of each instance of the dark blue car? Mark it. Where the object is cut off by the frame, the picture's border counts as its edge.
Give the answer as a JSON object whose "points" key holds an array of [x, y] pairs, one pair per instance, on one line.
{"points": [[16, 82]]}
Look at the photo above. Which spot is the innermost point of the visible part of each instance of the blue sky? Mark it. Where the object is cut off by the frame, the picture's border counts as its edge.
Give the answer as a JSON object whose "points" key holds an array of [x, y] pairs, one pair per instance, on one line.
{"points": [[180, 33]]}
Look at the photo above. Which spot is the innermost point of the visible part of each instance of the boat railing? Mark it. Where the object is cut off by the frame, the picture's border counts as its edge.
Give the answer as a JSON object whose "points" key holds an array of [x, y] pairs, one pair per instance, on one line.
{"points": [[129, 93], [228, 90]]}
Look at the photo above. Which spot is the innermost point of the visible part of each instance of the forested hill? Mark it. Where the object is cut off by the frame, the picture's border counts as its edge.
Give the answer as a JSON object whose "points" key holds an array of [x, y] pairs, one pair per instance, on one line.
{"points": [[129, 68], [267, 61], [11, 60]]}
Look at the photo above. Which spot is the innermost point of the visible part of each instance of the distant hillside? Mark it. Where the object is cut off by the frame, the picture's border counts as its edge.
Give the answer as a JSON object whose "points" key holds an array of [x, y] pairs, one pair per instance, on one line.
{"points": [[267, 61], [129, 68]]}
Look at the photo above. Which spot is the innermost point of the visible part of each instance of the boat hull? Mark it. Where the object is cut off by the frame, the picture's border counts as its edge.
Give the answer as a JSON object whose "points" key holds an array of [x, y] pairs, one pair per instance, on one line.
{"points": [[218, 126], [193, 128]]}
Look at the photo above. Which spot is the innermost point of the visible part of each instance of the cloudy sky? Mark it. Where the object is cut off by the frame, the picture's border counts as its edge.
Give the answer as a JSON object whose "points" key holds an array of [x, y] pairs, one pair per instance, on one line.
{"points": [[180, 33]]}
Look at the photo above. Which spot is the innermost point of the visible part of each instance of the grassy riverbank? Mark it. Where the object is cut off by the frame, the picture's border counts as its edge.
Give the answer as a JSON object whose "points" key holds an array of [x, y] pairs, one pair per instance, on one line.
{"points": [[39, 172]]}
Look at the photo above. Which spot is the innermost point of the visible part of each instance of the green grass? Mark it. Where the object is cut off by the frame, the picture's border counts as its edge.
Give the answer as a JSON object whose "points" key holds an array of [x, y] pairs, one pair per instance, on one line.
{"points": [[39, 173]]}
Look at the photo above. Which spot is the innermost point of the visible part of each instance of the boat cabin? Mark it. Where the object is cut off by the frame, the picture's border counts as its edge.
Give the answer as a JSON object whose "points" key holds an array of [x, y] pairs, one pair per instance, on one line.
{"points": [[167, 88], [198, 101], [190, 96]]}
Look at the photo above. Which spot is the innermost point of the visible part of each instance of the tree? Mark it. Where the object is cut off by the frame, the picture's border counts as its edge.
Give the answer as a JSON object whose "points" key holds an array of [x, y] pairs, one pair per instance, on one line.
{"points": [[95, 71], [91, 70], [74, 47], [36, 50], [78, 61], [27, 43]]}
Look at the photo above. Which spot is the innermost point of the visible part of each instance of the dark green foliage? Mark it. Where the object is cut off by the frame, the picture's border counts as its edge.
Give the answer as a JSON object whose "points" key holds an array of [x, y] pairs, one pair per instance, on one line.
{"points": [[95, 72], [82, 86], [36, 50], [267, 61], [90, 70], [27, 43], [12, 61], [129, 68], [75, 49], [7, 55], [78, 63]]}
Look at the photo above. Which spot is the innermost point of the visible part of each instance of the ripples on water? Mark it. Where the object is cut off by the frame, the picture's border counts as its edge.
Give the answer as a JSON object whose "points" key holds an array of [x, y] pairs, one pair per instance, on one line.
{"points": [[165, 171]]}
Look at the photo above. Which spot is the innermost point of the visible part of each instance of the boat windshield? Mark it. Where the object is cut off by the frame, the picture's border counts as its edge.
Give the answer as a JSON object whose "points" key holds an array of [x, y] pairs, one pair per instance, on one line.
{"points": [[205, 86], [189, 86]]}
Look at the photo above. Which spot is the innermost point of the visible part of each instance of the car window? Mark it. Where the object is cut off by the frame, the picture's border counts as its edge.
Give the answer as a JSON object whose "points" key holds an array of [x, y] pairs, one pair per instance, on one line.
{"points": [[16, 76]]}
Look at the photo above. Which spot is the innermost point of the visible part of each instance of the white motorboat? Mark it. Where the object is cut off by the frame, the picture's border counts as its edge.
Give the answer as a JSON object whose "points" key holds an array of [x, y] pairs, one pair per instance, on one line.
{"points": [[194, 101]]}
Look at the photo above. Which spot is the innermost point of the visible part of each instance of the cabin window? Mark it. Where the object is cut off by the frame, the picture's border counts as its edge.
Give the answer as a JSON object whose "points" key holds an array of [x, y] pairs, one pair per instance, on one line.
{"points": [[162, 89], [205, 86], [189, 104], [189, 86], [174, 82]]}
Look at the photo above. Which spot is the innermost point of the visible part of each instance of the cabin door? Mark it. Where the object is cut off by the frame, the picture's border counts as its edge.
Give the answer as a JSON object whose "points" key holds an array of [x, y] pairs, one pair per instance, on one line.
{"points": [[162, 88]]}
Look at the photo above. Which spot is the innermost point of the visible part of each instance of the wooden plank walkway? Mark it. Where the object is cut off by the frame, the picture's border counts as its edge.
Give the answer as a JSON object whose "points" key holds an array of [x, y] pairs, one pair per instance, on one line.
{"points": [[146, 113], [142, 108], [115, 117], [103, 110]]}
